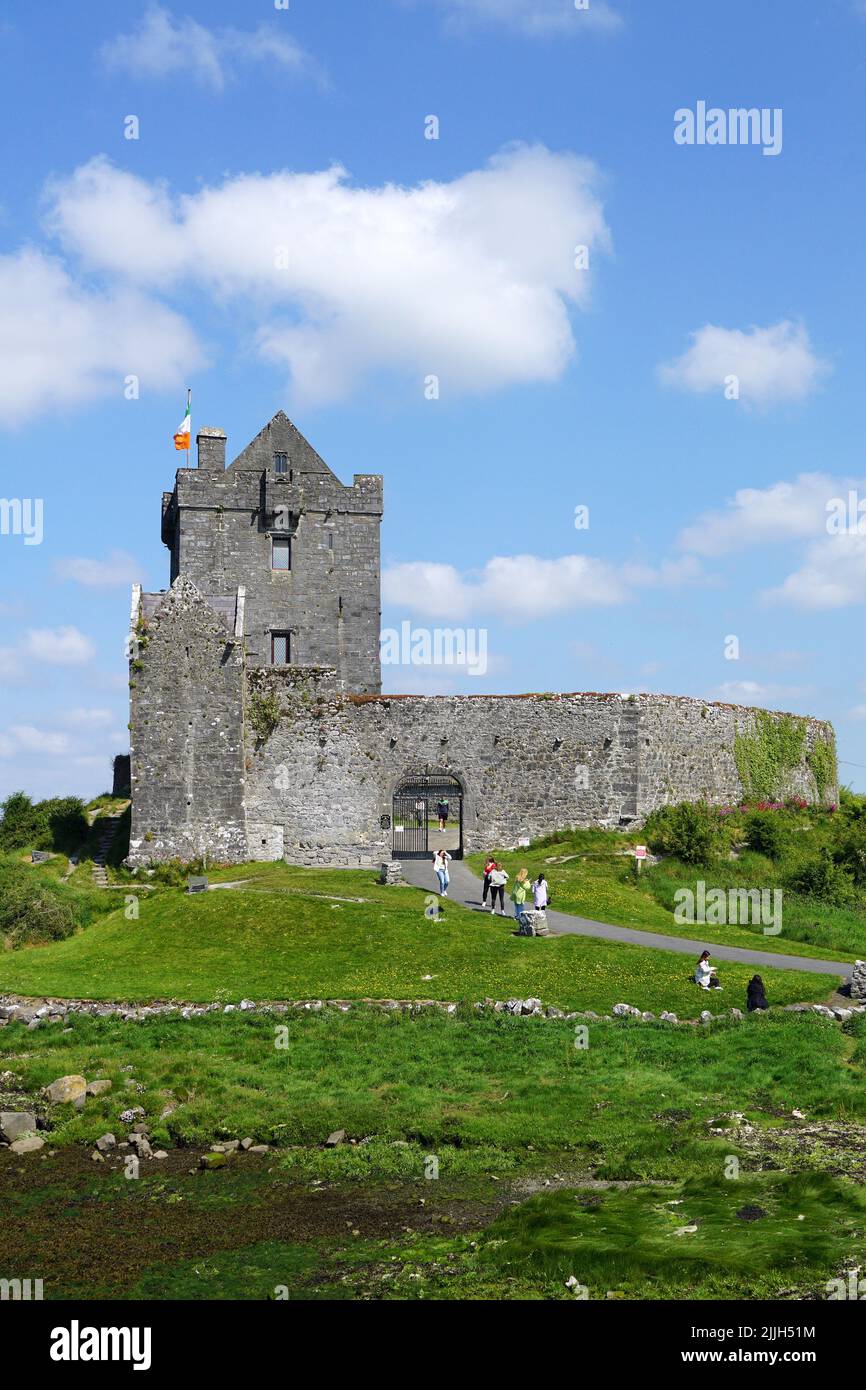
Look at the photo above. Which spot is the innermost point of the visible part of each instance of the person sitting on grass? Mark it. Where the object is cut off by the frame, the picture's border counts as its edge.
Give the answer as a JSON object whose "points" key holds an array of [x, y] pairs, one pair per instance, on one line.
{"points": [[756, 997], [705, 974]]}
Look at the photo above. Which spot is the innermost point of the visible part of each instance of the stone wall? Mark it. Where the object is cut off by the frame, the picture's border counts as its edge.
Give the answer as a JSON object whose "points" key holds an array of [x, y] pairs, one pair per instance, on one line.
{"points": [[186, 733], [529, 765]]}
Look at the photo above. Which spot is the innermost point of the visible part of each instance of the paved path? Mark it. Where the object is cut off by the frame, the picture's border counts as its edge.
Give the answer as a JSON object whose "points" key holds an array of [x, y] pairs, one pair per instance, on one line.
{"points": [[465, 888]]}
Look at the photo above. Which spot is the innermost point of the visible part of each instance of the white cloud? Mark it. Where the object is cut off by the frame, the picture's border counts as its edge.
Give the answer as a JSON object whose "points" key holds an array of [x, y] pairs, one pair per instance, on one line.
{"points": [[772, 365], [758, 516], [59, 646], [536, 18], [25, 738], [165, 47], [86, 718], [117, 568], [62, 344], [833, 575], [469, 280], [520, 588], [746, 692]]}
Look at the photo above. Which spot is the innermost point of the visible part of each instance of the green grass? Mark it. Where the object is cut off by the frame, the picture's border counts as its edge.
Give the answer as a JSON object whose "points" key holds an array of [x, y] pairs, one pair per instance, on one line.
{"points": [[634, 1243], [484, 1091], [492, 1098], [597, 882], [313, 941]]}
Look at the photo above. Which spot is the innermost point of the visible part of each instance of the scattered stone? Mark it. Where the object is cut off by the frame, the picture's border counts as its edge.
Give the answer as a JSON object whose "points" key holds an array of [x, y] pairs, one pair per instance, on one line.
{"points": [[160, 1153], [98, 1088], [97, 1156], [333, 1140], [751, 1213], [27, 1146], [66, 1089], [260, 1149], [246, 1144], [213, 1160], [106, 1143], [15, 1124]]}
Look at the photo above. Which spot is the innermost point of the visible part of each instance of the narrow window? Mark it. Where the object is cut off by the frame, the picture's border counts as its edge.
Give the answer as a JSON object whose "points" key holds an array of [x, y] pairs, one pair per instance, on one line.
{"points": [[281, 463], [281, 553], [330, 540], [280, 648]]}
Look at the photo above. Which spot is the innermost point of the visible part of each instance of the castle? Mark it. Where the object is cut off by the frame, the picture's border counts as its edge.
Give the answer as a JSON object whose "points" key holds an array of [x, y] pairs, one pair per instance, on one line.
{"points": [[258, 727]]}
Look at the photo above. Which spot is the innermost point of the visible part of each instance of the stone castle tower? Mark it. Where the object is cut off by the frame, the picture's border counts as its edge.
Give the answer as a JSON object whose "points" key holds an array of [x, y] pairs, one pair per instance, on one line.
{"points": [[257, 726], [274, 564], [279, 535]]}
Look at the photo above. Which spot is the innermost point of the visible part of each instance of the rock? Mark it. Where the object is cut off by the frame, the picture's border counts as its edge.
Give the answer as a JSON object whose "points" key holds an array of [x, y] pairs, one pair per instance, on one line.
{"points": [[15, 1124], [843, 1014], [212, 1160], [97, 1156], [27, 1146], [625, 1011], [706, 1016], [160, 1153], [98, 1088], [106, 1143], [736, 1013], [128, 1117], [260, 1149], [66, 1089], [246, 1143], [333, 1140]]}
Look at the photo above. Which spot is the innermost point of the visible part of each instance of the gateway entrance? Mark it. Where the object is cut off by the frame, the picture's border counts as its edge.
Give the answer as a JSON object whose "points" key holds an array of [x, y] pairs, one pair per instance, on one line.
{"points": [[422, 805]]}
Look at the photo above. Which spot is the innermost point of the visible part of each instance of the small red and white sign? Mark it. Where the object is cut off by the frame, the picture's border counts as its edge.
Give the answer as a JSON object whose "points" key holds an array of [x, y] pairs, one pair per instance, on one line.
{"points": [[640, 851]]}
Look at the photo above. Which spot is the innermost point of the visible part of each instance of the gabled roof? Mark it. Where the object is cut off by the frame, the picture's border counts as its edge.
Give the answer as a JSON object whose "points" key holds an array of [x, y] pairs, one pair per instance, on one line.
{"points": [[280, 436]]}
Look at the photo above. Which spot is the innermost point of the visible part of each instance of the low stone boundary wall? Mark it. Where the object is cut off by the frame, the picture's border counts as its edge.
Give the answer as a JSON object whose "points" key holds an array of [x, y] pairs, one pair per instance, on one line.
{"points": [[36, 1013]]}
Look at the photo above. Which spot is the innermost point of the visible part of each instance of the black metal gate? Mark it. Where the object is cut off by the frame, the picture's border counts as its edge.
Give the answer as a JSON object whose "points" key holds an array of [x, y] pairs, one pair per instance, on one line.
{"points": [[416, 807]]}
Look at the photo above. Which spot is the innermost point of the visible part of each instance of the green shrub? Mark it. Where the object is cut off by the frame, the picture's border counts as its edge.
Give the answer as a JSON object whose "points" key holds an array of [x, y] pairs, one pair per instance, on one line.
{"points": [[36, 909], [692, 832], [765, 834], [822, 878], [58, 824], [850, 853]]}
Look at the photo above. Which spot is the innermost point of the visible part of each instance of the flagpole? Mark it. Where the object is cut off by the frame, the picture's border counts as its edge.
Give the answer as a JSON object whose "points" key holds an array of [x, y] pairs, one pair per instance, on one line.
{"points": [[189, 408]]}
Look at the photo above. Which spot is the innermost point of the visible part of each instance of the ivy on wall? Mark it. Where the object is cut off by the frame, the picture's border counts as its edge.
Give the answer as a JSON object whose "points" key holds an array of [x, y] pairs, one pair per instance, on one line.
{"points": [[264, 714], [823, 767], [769, 753]]}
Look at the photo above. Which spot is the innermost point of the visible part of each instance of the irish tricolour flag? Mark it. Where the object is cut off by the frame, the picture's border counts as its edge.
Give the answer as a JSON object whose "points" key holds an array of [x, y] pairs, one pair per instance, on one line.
{"points": [[181, 439]]}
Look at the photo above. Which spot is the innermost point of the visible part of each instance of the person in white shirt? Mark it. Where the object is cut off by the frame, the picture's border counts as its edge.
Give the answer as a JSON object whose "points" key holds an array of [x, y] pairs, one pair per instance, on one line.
{"points": [[540, 893], [703, 971], [441, 860], [498, 880]]}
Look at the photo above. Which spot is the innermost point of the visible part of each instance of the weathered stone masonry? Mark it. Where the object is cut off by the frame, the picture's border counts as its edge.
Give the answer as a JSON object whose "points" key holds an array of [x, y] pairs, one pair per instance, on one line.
{"points": [[239, 758]]}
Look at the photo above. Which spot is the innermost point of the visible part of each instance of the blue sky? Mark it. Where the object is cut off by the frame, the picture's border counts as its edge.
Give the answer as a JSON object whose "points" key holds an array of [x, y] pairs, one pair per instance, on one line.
{"points": [[301, 133]]}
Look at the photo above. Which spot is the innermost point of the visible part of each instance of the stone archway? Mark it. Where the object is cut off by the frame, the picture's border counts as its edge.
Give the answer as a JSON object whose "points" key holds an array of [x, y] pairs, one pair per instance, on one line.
{"points": [[422, 801]]}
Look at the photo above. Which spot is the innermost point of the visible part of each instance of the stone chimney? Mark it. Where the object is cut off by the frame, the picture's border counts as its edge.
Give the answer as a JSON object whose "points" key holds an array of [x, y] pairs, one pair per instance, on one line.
{"points": [[211, 449]]}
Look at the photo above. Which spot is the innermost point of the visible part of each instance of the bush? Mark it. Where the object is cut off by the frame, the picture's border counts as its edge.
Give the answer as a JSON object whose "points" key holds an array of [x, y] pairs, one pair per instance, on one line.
{"points": [[58, 824], [850, 853], [36, 909], [692, 832], [824, 879], [765, 834]]}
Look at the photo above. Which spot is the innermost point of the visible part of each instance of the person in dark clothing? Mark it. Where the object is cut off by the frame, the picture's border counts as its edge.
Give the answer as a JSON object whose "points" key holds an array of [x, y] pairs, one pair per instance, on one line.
{"points": [[755, 996]]}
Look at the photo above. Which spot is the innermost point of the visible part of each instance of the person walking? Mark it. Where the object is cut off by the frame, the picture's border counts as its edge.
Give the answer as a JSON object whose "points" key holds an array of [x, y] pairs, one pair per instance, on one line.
{"points": [[489, 866], [441, 860], [756, 997], [498, 880], [520, 891], [442, 810], [540, 893]]}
